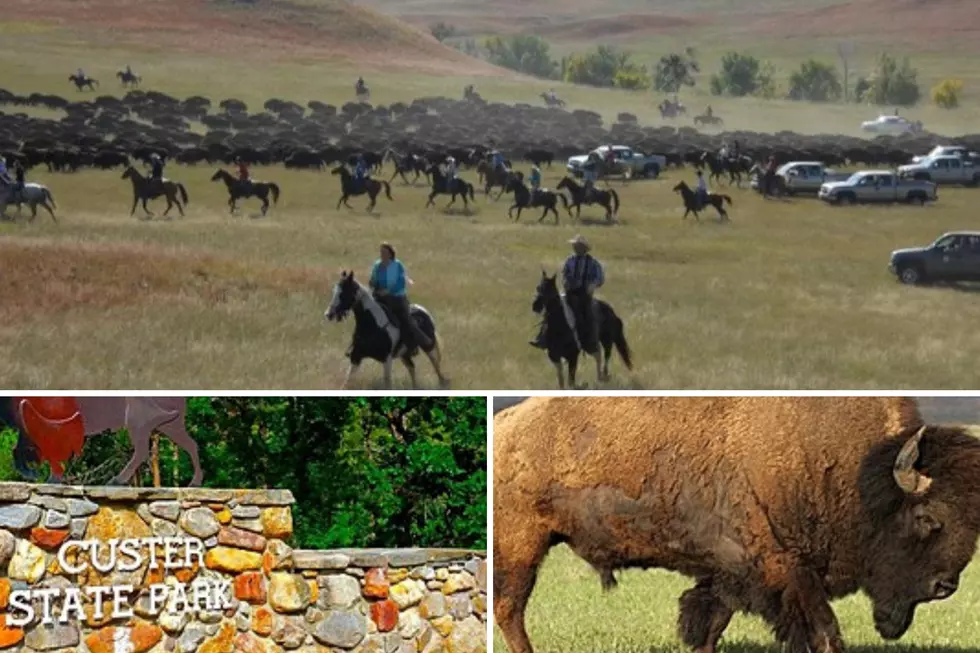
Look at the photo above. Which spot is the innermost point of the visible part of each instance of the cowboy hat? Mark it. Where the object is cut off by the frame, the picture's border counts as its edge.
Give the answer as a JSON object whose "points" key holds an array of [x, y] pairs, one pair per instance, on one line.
{"points": [[580, 240]]}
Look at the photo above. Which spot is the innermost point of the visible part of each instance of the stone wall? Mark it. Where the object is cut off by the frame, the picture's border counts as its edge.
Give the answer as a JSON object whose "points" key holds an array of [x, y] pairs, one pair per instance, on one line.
{"points": [[278, 598]]}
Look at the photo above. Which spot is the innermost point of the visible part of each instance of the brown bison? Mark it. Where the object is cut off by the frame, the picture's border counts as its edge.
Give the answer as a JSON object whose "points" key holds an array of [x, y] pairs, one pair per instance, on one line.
{"points": [[773, 505]]}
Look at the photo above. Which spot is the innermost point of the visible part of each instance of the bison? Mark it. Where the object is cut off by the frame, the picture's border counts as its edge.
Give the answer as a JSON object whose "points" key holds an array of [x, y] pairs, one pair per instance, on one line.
{"points": [[773, 505]]}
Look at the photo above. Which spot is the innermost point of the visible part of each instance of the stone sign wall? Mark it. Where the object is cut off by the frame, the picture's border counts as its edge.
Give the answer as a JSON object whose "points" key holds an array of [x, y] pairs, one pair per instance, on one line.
{"points": [[135, 570]]}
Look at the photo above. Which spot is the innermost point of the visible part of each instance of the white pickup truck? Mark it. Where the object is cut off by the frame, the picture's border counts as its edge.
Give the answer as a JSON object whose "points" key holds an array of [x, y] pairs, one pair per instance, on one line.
{"points": [[943, 169], [877, 186], [804, 177], [639, 164], [961, 151]]}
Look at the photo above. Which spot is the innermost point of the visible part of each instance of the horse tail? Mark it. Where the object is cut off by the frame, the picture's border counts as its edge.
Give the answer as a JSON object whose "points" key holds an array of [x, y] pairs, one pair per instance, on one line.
{"points": [[619, 340], [564, 200], [274, 187], [472, 194], [387, 189], [727, 199], [615, 197], [48, 196], [183, 192]]}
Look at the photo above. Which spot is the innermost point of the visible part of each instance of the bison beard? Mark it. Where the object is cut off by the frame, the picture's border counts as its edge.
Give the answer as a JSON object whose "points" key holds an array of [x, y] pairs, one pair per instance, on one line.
{"points": [[774, 505]]}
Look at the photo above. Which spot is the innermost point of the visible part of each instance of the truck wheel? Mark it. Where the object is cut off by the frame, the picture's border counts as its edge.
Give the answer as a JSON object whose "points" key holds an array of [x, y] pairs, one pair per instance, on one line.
{"points": [[910, 275], [651, 171], [975, 181], [848, 198], [917, 197]]}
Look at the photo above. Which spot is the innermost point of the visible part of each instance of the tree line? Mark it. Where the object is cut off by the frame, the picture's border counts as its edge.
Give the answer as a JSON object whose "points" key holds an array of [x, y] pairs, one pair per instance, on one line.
{"points": [[893, 81], [365, 472]]}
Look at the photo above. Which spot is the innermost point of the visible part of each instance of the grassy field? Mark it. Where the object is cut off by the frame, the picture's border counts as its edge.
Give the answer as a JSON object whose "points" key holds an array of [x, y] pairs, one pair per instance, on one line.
{"points": [[568, 613], [789, 295]]}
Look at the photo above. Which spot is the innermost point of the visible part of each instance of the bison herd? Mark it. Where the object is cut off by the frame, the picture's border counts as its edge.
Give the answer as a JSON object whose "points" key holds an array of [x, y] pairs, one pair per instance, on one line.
{"points": [[109, 132]]}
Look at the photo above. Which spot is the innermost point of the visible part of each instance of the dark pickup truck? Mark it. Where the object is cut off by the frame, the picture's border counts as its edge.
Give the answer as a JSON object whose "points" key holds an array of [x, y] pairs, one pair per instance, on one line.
{"points": [[955, 256]]}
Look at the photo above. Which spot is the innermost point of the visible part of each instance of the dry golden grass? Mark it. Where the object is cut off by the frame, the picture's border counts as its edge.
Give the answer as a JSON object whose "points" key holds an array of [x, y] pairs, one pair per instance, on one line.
{"points": [[790, 295]]}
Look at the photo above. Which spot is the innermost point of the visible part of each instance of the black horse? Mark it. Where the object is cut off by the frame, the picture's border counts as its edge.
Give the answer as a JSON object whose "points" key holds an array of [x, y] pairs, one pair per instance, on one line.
{"points": [[493, 176], [693, 205], [607, 199], [83, 82], [561, 340], [350, 188], [523, 199], [734, 167], [376, 336], [406, 164], [238, 189], [441, 186]]}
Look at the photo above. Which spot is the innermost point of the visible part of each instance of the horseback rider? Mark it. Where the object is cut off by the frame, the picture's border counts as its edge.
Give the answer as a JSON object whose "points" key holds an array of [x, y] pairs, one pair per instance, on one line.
{"points": [[552, 95], [129, 71], [80, 75], [589, 175], [388, 281], [535, 180], [499, 164], [701, 190], [770, 175], [709, 112], [723, 151], [244, 177], [582, 274], [156, 171], [4, 175], [451, 172], [360, 171], [19, 180], [736, 151], [359, 86]]}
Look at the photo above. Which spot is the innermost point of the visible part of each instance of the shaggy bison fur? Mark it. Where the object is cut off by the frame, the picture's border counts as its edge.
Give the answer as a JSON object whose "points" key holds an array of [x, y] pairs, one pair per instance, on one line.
{"points": [[774, 506]]}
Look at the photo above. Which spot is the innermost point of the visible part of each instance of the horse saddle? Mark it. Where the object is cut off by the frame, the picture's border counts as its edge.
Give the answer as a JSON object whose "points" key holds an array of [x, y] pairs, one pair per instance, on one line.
{"points": [[55, 426]]}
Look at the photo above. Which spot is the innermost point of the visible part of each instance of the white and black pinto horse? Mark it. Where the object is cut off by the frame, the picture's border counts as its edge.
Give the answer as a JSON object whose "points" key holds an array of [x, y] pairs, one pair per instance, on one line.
{"points": [[376, 335], [32, 194]]}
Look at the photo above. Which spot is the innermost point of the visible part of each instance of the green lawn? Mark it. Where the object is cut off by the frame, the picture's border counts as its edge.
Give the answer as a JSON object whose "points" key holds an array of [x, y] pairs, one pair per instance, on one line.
{"points": [[568, 613]]}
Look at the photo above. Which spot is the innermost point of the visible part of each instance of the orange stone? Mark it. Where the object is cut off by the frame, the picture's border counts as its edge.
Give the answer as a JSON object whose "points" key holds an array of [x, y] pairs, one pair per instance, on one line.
{"points": [[48, 539], [314, 590], [249, 643], [154, 575], [187, 574], [102, 641], [223, 642], [144, 636], [385, 615], [250, 587], [376, 583], [9, 636], [4, 592], [262, 621]]}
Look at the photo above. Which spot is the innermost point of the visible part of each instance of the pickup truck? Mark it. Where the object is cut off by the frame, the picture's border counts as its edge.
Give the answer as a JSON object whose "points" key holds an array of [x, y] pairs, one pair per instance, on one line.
{"points": [[961, 151], [878, 186], [804, 177], [954, 256], [644, 165], [943, 169]]}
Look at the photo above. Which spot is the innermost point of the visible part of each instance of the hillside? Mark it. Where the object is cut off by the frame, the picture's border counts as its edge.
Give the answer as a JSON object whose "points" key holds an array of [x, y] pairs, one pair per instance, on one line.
{"points": [[276, 30]]}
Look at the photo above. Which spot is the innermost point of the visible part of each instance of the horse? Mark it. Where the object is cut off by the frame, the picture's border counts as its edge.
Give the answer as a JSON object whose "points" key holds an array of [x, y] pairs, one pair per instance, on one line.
{"points": [[562, 341], [53, 429], [523, 199], [129, 78], [82, 82], [362, 92], [692, 205], [440, 186], [376, 336], [349, 188], [769, 183], [145, 189], [407, 163], [238, 189], [552, 101], [494, 176], [607, 199], [704, 120], [670, 109], [32, 195], [734, 167]]}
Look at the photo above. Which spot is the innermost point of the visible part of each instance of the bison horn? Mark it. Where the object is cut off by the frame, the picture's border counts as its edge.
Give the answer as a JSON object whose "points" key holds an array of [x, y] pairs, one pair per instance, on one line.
{"points": [[907, 477]]}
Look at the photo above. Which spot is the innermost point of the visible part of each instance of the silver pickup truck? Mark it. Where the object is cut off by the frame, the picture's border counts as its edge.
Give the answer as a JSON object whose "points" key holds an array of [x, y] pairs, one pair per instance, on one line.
{"points": [[943, 169], [803, 177], [877, 186]]}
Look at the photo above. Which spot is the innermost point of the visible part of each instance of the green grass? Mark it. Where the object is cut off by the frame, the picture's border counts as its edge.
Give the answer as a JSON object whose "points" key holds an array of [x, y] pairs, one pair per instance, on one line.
{"points": [[568, 613]]}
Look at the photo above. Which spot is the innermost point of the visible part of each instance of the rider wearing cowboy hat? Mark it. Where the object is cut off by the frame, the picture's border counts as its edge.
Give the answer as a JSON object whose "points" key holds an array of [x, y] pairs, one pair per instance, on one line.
{"points": [[4, 175], [156, 170], [451, 173], [582, 275]]}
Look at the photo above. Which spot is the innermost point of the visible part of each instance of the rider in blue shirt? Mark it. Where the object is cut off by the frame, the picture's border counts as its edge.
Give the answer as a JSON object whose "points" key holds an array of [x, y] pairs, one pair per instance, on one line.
{"points": [[498, 160], [4, 175], [360, 171], [388, 283], [535, 180]]}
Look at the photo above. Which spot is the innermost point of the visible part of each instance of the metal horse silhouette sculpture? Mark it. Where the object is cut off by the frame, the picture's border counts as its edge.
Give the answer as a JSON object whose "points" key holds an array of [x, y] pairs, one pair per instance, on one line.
{"points": [[53, 429]]}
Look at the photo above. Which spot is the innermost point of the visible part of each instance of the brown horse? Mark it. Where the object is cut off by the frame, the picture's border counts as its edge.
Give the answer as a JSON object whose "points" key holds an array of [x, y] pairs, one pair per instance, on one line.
{"points": [[53, 429], [83, 82], [145, 189], [238, 189], [693, 205], [493, 176], [607, 199], [350, 188]]}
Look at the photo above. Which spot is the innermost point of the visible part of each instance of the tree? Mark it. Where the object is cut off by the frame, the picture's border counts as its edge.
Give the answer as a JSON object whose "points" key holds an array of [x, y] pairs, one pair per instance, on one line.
{"points": [[526, 54], [893, 83], [442, 31], [741, 75], [946, 94], [815, 81], [604, 67], [844, 50], [674, 71]]}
